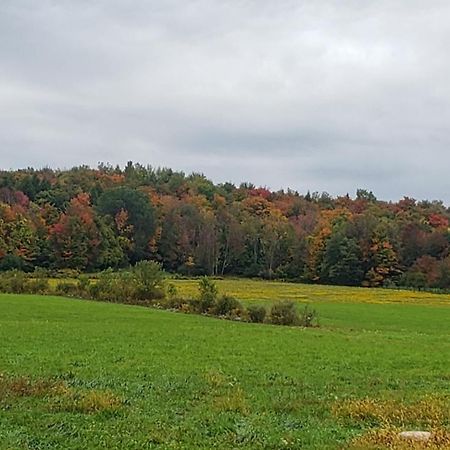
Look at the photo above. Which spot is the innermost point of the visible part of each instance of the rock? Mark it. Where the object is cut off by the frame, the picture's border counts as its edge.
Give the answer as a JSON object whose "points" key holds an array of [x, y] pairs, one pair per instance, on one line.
{"points": [[419, 436]]}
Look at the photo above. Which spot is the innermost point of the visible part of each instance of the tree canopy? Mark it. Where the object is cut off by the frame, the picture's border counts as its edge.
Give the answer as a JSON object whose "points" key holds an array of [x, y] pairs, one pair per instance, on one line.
{"points": [[95, 218]]}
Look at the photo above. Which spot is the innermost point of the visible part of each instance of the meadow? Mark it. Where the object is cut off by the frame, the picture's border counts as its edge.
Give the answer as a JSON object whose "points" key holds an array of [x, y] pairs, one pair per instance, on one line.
{"points": [[82, 374]]}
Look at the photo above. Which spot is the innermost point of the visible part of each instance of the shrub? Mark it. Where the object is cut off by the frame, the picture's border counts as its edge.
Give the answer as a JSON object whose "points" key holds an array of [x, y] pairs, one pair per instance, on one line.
{"points": [[83, 285], [256, 313], [12, 262], [94, 291], [416, 280], [225, 305], [37, 282], [208, 294], [65, 288], [172, 291], [37, 286], [284, 313], [148, 280], [180, 304], [15, 282], [67, 273], [308, 317], [140, 284]]}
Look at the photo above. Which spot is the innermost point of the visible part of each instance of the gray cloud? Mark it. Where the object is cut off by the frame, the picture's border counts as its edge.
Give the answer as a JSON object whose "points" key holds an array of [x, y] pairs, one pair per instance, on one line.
{"points": [[326, 95]]}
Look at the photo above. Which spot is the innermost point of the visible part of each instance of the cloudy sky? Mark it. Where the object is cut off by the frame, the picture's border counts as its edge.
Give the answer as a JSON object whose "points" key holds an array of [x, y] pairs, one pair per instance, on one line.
{"points": [[319, 95]]}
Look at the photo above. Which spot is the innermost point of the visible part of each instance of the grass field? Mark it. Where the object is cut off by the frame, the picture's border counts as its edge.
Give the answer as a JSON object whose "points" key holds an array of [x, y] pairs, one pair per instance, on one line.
{"points": [[80, 374], [267, 291]]}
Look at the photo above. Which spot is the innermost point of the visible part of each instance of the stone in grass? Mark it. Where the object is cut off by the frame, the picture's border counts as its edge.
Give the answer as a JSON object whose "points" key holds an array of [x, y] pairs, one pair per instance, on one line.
{"points": [[418, 436]]}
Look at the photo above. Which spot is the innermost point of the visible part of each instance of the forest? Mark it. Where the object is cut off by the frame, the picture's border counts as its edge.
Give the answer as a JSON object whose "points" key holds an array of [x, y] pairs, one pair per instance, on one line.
{"points": [[90, 219]]}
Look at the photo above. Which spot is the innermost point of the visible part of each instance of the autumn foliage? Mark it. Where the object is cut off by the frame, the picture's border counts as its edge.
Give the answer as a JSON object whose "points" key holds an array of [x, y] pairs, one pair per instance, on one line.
{"points": [[87, 219]]}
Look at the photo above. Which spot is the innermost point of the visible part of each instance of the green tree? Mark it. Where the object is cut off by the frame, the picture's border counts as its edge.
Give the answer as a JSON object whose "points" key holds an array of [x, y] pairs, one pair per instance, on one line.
{"points": [[342, 262], [135, 207]]}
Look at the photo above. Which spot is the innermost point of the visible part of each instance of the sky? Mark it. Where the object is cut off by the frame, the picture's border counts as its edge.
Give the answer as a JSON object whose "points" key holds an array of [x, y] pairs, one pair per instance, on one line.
{"points": [[312, 95]]}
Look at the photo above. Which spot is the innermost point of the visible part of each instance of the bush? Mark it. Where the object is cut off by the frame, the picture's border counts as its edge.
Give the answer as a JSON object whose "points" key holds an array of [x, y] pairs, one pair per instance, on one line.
{"points": [[17, 282], [256, 313], [94, 291], [172, 291], [37, 286], [14, 282], [284, 313], [37, 282], [208, 294], [12, 262], [226, 305], [308, 317], [67, 273], [65, 288], [148, 280], [415, 280], [180, 304], [140, 284], [83, 285]]}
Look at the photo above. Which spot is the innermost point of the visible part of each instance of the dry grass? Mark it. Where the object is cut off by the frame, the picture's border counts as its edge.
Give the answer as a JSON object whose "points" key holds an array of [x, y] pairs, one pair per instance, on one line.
{"points": [[233, 401], [430, 411], [27, 387], [388, 438], [88, 402], [59, 395], [216, 379], [390, 417], [227, 396]]}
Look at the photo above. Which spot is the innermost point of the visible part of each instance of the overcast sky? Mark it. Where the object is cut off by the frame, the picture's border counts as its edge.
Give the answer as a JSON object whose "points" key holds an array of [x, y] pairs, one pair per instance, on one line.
{"points": [[312, 95]]}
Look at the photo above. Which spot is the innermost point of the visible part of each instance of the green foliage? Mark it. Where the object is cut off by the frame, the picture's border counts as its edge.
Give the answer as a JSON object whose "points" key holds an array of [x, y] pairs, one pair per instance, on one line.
{"points": [[172, 291], [308, 317], [342, 261], [225, 305], [38, 286], [138, 217], [13, 281], [83, 285], [416, 280], [284, 313], [256, 313], [18, 282], [207, 294], [149, 280], [142, 283], [66, 288], [12, 262]]}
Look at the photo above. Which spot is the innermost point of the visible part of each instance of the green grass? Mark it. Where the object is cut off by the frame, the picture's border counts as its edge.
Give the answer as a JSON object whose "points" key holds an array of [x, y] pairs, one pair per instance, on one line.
{"points": [[108, 376]]}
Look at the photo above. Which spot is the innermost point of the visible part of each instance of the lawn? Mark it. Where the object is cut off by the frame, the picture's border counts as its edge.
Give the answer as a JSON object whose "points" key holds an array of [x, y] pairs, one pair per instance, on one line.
{"points": [[81, 374]]}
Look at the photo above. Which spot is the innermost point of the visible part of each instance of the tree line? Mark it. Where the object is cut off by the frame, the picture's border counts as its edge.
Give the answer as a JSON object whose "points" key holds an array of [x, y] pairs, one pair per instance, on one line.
{"points": [[90, 219]]}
